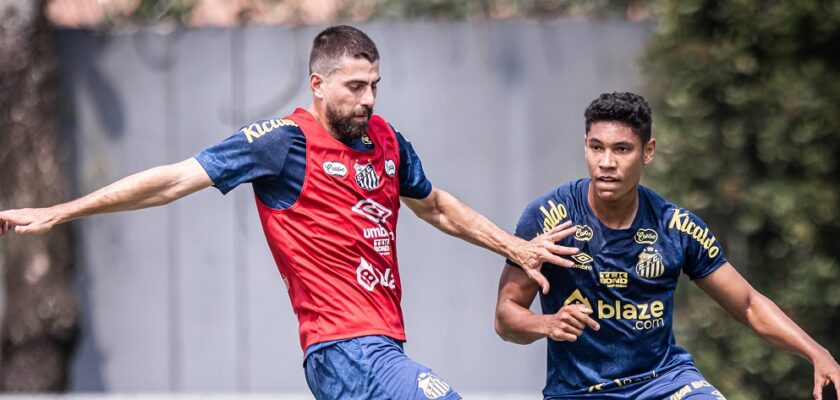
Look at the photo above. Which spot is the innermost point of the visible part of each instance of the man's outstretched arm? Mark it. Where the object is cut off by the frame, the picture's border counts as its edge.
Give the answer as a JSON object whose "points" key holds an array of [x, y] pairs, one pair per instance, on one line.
{"points": [[152, 187], [729, 289], [452, 216]]}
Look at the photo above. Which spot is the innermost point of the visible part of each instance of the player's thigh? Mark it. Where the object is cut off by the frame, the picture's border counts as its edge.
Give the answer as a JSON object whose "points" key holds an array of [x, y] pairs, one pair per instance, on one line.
{"points": [[400, 377], [688, 384], [339, 371]]}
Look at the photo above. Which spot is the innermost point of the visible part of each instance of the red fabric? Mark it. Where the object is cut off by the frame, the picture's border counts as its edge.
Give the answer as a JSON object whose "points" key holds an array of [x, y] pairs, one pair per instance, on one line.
{"points": [[340, 265]]}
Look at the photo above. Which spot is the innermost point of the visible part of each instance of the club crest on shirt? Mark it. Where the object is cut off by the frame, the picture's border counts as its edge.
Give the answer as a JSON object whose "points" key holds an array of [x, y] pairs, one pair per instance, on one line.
{"points": [[390, 167], [366, 177], [366, 139], [432, 386], [650, 263]]}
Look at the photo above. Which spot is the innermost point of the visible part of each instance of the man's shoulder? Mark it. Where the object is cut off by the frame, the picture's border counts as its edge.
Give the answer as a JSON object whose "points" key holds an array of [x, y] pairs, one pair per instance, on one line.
{"points": [[271, 130], [558, 201]]}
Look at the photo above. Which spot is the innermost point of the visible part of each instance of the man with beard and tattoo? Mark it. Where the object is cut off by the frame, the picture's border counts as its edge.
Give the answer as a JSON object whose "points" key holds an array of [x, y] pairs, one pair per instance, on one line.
{"points": [[328, 181]]}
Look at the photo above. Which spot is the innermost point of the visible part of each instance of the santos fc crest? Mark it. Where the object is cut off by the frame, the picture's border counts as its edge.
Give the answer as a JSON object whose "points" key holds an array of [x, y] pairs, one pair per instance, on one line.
{"points": [[366, 177], [650, 264]]}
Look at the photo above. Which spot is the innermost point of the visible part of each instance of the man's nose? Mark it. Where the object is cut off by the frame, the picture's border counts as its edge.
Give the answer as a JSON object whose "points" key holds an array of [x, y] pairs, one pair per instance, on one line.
{"points": [[368, 97], [607, 161]]}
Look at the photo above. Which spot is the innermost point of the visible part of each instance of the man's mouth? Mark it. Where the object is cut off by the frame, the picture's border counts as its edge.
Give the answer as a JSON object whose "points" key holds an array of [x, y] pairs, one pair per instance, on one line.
{"points": [[608, 179]]}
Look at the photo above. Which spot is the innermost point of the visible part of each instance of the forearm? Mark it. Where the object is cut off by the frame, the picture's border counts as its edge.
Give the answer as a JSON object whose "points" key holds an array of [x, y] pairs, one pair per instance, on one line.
{"points": [[773, 325], [517, 324], [455, 218], [153, 187]]}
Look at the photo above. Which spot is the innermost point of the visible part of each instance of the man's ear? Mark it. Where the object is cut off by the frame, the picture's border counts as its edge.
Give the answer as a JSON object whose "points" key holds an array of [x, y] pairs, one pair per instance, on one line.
{"points": [[316, 84], [650, 150]]}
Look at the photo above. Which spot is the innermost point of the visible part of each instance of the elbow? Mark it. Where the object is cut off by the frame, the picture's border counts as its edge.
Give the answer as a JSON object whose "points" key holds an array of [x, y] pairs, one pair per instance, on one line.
{"points": [[506, 333]]}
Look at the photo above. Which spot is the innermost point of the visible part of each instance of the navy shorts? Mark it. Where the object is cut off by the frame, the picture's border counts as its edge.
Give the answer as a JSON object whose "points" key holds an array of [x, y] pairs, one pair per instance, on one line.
{"points": [[371, 367], [681, 383]]}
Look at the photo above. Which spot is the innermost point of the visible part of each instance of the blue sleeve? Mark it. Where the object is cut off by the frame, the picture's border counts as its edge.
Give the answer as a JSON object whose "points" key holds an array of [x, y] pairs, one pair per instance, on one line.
{"points": [[703, 252], [413, 181], [529, 225], [255, 152]]}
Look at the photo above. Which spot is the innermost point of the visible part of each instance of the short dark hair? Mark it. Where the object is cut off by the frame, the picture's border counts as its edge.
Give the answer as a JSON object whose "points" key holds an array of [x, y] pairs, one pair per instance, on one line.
{"points": [[625, 107], [338, 41]]}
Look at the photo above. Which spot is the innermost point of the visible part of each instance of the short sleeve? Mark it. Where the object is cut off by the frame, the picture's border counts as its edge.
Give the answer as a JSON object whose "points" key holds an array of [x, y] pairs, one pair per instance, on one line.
{"points": [[703, 252], [413, 181], [529, 225], [255, 152]]}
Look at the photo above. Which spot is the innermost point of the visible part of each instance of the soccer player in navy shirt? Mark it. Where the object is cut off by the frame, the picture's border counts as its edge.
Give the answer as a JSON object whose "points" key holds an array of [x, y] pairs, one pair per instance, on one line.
{"points": [[328, 181], [608, 319]]}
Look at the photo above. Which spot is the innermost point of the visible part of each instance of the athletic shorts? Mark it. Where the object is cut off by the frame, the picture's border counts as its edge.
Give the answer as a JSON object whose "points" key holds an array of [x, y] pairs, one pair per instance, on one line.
{"points": [[371, 367], [680, 383]]}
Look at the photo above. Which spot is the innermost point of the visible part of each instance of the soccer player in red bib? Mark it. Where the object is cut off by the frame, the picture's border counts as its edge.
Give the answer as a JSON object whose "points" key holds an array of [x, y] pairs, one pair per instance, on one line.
{"points": [[328, 181]]}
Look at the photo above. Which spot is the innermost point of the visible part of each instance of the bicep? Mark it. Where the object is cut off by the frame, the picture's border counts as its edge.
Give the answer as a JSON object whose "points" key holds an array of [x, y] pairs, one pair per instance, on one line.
{"points": [[515, 286], [728, 288], [425, 206]]}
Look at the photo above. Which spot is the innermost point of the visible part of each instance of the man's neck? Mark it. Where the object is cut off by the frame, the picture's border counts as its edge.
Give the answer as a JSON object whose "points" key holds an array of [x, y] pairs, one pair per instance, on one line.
{"points": [[618, 213], [321, 116]]}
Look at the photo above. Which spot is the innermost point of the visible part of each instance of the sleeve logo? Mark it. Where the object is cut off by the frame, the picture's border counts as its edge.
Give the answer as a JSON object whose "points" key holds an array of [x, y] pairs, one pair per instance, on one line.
{"points": [[682, 222], [259, 129]]}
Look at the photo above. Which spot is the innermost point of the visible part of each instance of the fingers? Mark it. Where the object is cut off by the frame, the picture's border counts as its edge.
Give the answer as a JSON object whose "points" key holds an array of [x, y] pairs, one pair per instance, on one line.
{"points": [[563, 250], [557, 260], [557, 229], [818, 387], [562, 234], [538, 277], [568, 323]]}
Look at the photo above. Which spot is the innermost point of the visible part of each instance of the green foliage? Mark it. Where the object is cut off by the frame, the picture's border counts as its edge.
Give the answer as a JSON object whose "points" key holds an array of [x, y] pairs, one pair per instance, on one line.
{"points": [[745, 96]]}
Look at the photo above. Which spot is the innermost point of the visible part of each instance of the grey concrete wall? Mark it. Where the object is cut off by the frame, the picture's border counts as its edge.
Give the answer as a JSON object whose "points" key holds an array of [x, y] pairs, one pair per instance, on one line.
{"points": [[187, 298]]}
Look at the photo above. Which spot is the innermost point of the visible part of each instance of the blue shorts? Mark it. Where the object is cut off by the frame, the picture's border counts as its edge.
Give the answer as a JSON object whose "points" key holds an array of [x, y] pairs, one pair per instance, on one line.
{"points": [[681, 383], [370, 367]]}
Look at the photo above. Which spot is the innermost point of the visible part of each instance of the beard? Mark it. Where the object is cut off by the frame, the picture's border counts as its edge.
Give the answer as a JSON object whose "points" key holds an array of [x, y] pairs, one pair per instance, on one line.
{"points": [[346, 126]]}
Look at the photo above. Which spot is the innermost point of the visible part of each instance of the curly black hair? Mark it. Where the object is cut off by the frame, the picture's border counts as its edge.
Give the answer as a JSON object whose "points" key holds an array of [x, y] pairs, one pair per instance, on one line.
{"points": [[625, 107]]}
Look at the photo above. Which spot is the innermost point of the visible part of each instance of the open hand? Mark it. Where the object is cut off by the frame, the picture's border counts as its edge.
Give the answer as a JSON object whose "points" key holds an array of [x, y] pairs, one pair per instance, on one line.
{"points": [[543, 249]]}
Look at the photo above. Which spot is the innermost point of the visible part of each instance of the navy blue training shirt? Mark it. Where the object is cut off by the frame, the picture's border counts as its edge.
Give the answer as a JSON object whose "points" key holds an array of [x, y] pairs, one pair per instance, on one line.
{"points": [[627, 277], [276, 163]]}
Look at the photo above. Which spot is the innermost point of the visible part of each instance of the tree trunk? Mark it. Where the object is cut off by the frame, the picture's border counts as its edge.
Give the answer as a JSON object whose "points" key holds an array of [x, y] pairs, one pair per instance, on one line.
{"points": [[39, 325]]}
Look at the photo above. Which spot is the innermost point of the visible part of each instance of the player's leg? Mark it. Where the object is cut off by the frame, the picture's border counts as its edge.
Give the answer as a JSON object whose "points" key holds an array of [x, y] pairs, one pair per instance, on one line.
{"points": [[338, 371], [371, 367], [682, 383], [399, 376]]}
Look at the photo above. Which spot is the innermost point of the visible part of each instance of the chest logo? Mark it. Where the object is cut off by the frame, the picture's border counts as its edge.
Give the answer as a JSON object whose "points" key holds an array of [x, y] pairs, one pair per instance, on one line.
{"points": [[583, 233], [335, 168], [650, 264], [582, 261], [390, 167], [646, 236], [366, 177], [366, 139], [372, 210], [369, 277], [577, 298]]}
